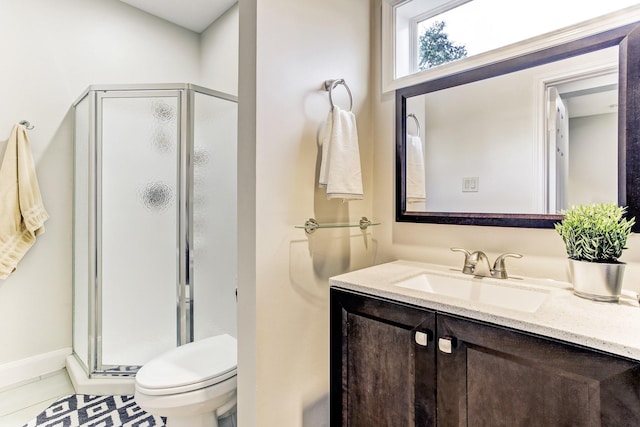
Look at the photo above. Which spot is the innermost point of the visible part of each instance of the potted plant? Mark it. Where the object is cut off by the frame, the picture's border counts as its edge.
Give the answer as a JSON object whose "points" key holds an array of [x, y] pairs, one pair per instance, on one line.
{"points": [[595, 236]]}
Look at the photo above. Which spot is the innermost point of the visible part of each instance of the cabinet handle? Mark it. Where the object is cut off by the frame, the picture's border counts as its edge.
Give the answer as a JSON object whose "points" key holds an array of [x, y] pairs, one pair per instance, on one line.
{"points": [[422, 338], [446, 344]]}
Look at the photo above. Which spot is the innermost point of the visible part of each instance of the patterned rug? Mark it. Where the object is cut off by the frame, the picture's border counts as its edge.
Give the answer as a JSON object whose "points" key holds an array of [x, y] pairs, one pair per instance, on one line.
{"points": [[80, 410]]}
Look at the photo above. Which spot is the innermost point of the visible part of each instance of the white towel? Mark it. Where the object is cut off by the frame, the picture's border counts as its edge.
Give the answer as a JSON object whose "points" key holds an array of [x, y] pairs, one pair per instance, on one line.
{"points": [[22, 214], [416, 192], [340, 171]]}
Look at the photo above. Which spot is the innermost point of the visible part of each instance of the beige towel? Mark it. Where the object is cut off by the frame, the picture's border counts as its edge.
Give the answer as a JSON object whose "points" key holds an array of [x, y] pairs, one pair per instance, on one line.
{"points": [[340, 171], [416, 191], [22, 214]]}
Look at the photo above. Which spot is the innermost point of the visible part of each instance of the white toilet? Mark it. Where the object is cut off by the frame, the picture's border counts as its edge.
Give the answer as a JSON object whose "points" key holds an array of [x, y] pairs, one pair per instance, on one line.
{"points": [[192, 385]]}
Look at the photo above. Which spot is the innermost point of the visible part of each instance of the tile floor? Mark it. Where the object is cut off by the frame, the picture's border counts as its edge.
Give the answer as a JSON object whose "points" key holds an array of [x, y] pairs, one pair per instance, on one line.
{"points": [[19, 404]]}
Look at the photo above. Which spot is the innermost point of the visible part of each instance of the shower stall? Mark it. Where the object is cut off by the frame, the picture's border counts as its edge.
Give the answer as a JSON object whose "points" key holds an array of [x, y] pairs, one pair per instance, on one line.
{"points": [[154, 243]]}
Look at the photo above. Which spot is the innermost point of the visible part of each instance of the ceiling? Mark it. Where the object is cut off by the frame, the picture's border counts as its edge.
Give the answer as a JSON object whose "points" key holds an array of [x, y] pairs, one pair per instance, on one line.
{"points": [[195, 15], [589, 96]]}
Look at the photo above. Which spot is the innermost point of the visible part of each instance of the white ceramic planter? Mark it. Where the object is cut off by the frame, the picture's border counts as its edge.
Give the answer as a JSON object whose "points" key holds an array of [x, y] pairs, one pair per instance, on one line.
{"points": [[597, 281]]}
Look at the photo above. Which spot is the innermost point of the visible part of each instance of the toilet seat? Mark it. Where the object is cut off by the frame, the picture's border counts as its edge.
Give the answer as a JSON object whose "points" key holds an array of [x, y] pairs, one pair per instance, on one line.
{"points": [[192, 366]]}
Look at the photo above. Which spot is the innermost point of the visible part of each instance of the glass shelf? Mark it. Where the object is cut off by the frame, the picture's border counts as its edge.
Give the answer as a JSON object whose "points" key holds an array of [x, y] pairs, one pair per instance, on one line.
{"points": [[312, 225]]}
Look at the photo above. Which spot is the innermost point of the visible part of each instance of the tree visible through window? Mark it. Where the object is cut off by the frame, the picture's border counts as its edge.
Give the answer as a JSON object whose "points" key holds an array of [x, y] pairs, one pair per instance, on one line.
{"points": [[435, 48]]}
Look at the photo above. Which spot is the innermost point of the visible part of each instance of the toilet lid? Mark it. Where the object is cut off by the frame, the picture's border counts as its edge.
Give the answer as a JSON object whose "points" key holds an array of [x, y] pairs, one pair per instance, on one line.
{"points": [[191, 366]]}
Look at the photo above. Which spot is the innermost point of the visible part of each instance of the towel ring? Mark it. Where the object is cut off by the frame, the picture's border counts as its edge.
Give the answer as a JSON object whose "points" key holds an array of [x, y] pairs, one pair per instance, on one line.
{"points": [[329, 85], [26, 124], [413, 116]]}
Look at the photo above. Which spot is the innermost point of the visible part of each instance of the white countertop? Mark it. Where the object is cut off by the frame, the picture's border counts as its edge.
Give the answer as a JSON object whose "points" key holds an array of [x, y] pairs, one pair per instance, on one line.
{"points": [[610, 327]]}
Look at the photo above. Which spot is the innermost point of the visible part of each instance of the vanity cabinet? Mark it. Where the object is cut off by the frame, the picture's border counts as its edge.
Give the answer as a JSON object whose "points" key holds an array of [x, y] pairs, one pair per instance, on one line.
{"points": [[469, 373], [380, 375], [495, 376]]}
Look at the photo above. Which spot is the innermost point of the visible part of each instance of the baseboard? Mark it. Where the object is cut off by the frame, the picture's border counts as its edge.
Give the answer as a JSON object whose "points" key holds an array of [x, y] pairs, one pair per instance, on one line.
{"points": [[25, 370]]}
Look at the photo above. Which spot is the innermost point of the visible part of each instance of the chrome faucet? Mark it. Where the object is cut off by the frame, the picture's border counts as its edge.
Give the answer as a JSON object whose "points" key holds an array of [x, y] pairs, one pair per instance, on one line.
{"points": [[480, 263], [472, 259]]}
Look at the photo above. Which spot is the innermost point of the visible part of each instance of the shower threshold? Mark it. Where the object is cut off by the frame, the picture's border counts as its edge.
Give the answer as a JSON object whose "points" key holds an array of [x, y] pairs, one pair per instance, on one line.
{"points": [[118, 383]]}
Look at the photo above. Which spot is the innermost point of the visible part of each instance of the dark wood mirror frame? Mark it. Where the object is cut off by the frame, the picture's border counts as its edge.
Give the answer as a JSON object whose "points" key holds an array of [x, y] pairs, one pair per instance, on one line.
{"points": [[627, 38]]}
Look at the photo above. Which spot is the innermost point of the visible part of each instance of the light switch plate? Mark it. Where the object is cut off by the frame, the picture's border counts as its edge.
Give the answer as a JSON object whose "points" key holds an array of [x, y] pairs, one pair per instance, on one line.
{"points": [[470, 184]]}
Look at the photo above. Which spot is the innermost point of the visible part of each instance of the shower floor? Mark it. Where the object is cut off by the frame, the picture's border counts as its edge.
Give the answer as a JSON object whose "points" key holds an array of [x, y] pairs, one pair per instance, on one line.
{"points": [[123, 370]]}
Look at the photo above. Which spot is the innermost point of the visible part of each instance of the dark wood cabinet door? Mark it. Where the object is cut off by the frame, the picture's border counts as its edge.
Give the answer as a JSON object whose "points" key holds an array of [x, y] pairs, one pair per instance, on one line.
{"points": [[382, 374], [495, 377]]}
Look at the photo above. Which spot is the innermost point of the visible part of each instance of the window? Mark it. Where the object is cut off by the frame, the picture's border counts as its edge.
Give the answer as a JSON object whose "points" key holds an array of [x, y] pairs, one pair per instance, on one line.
{"points": [[426, 34], [413, 19]]}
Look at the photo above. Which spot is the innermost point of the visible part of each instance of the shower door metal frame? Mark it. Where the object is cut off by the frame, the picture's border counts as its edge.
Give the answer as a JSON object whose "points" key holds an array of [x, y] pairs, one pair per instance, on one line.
{"points": [[184, 302], [184, 306], [184, 258]]}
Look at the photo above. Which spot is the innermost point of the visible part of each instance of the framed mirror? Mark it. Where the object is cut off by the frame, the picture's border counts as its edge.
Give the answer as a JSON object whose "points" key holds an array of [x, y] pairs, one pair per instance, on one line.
{"points": [[493, 148]]}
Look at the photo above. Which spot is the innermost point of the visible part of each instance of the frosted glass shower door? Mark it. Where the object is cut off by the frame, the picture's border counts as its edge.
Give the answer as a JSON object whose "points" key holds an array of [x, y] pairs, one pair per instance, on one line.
{"points": [[214, 216], [137, 221]]}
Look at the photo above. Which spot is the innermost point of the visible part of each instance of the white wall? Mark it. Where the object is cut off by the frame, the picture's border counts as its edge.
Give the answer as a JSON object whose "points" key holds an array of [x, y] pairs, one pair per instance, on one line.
{"points": [[288, 48], [247, 214], [593, 147], [52, 51], [219, 53], [543, 250], [496, 120]]}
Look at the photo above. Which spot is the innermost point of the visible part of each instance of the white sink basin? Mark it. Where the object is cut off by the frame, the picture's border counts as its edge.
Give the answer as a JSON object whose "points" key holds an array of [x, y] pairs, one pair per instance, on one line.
{"points": [[482, 290]]}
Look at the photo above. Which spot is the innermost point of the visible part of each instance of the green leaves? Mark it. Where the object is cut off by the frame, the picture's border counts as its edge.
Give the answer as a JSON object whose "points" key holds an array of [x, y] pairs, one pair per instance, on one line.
{"points": [[596, 232], [436, 48]]}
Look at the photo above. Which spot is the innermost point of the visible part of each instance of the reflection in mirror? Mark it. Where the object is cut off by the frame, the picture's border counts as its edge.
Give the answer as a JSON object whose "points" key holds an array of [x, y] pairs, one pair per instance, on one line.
{"points": [[525, 142], [582, 141], [514, 142]]}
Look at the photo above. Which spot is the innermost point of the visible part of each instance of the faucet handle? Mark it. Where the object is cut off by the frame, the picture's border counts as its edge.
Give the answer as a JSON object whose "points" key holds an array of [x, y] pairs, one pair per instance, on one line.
{"points": [[468, 266], [500, 268]]}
